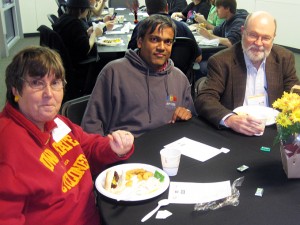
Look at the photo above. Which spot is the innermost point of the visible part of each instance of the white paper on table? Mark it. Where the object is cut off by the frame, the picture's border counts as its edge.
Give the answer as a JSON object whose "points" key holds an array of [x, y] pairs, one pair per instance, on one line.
{"points": [[204, 41], [194, 149], [117, 26], [115, 32], [192, 193], [120, 9], [163, 214], [125, 29], [144, 14]]}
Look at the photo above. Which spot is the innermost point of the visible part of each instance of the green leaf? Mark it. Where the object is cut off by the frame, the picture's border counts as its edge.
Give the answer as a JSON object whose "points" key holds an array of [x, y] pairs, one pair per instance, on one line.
{"points": [[159, 176]]}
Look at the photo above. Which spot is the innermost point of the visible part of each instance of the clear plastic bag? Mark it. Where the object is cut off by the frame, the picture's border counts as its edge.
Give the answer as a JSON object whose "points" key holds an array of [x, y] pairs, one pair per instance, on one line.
{"points": [[233, 199]]}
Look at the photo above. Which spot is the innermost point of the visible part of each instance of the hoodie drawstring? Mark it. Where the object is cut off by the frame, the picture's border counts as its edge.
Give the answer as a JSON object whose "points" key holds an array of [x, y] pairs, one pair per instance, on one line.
{"points": [[148, 90]]}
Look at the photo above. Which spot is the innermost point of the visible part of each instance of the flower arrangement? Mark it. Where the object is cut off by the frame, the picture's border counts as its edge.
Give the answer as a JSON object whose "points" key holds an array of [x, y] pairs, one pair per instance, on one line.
{"points": [[288, 120]]}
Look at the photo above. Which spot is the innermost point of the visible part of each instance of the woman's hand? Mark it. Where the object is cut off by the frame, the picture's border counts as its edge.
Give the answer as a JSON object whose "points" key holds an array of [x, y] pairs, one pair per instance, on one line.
{"points": [[121, 142], [98, 31], [90, 30], [106, 18], [109, 25]]}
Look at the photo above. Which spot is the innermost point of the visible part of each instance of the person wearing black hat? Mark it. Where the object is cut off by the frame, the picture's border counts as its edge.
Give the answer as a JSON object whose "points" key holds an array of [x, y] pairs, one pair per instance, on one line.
{"points": [[80, 43]]}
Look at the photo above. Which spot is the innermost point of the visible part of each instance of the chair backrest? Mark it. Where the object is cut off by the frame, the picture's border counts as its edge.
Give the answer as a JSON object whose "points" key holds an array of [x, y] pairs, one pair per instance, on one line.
{"points": [[184, 53], [52, 18], [118, 3], [51, 39], [199, 84], [74, 109]]}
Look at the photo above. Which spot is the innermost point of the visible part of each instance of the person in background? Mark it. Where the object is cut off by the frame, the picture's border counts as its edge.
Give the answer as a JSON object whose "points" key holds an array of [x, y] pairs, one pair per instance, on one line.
{"points": [[161, 7], [176, 6], [143, 90], [228, 33], [48, 163], [253, 72], [212, 18], [94, 15], [98, 7], [80, 44], [188, 13]]}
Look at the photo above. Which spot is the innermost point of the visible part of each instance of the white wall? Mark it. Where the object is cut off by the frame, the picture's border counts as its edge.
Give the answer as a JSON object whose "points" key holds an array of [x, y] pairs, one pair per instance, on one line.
{"points": [[286, 13], [34, 13]]}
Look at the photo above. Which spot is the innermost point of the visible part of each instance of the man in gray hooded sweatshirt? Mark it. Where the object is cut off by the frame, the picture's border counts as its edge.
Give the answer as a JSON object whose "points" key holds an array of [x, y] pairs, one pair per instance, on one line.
{"points": [[143, 90]]}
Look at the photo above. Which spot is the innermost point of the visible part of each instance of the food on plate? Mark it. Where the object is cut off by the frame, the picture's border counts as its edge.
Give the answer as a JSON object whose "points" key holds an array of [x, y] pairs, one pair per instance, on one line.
{"points": [[202, 25], [112, 41], [159, 176], [193, 27], [141, 174], [138, 180], [114, 181]]}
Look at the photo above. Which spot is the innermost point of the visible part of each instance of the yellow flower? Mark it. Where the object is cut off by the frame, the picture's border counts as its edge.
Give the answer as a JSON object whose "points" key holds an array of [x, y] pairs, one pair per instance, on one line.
{"points": [[289, 117], [283, 120], [295, 115]]}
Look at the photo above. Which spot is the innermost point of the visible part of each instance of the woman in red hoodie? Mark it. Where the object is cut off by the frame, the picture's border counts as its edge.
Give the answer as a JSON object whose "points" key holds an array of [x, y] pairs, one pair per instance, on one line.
{"points": [[47, 163]]}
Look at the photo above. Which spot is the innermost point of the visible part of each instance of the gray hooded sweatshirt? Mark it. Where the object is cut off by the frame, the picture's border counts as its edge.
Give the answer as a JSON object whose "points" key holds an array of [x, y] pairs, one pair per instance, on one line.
{"points": [[128, 95]]}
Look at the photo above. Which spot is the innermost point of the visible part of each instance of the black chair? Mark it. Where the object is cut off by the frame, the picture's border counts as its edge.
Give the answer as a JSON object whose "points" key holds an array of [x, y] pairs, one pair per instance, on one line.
{"points": [[78, 84], [74, 109], [199, 84], [184, 53], [52, 18]]}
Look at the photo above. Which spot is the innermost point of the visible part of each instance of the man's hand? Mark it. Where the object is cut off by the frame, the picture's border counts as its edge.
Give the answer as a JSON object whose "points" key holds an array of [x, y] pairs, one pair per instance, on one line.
{"points": [[204, 32], [181, 113], [199, 18], [245, 124]]}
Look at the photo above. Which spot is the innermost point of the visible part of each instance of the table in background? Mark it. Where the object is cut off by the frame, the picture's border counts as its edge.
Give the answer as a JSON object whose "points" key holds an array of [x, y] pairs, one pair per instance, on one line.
{"points": [[279, 204], [118, 51]]}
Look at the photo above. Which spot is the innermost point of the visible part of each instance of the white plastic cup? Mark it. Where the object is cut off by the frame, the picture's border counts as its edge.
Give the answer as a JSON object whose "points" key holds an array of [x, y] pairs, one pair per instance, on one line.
{"points": [[121, 19], [263, 120], [111, 11], [170, 159]]}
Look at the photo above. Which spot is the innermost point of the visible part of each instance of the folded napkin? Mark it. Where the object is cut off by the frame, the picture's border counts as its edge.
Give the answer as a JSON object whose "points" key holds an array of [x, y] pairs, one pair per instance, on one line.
{"points": [[125, 29], [204, 41], [101, 25]]}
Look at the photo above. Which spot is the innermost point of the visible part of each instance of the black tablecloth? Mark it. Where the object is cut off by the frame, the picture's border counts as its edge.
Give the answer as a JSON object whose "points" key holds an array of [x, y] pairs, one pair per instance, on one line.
{"points": [[280, 203]]}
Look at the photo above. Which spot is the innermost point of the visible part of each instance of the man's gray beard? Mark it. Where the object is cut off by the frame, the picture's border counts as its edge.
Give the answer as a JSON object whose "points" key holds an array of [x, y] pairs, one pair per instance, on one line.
{"points": [[254, 58]]}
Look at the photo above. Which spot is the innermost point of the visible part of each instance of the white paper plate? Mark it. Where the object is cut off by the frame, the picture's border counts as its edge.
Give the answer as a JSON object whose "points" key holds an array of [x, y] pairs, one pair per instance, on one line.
{"points": [[259, 111], [132, 193], [110, 41]]}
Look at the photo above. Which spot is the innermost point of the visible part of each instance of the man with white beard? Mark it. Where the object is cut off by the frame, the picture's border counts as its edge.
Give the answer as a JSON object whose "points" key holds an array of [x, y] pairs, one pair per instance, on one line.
{"points": [[253, 72]]}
